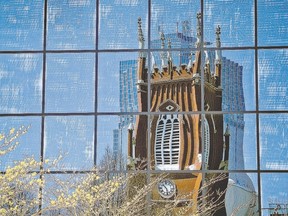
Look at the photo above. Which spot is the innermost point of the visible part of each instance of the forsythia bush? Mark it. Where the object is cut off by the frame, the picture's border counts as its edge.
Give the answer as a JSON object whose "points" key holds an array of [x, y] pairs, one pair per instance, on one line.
{"points": [[30, 188]]}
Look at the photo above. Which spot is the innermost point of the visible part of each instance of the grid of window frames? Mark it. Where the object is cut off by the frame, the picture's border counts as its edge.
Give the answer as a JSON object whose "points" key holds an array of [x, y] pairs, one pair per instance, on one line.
{"points": [[69, 70]]}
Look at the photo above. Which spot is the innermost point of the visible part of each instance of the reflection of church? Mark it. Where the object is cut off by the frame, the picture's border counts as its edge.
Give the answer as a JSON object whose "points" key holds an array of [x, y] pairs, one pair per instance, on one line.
{"points": [[176, 139], [181, 141]]}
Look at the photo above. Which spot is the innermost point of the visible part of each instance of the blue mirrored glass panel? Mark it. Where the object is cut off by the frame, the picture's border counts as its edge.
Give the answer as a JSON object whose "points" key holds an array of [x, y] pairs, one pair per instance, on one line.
{"points": [[117, 79], [113, 141], [237, 79], [242, 191], [72, 138], [274, 191], [21, 26], [70, 82], [118, 23], [176, 19], [273, 141], [273, 76], [242, 138], [272, 23], [236, 20], [71, 24], [229, 142], [21, 83], [29, 143]]}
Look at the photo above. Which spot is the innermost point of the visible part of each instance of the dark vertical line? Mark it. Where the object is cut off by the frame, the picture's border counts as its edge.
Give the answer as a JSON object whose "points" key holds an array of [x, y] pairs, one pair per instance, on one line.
{"points": [[203, 171], [149, 87], [148, 107], [43, 102], [257, 106], [96, 81]]}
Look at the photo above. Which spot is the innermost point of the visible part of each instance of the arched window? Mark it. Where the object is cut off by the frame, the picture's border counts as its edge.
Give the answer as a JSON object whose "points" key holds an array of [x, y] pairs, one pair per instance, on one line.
{"points": [[167, 142]]}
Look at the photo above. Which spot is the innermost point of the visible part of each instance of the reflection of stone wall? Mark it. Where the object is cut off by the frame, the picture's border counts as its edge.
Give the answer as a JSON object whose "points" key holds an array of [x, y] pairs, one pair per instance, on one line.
{"points": [[240, 200]]}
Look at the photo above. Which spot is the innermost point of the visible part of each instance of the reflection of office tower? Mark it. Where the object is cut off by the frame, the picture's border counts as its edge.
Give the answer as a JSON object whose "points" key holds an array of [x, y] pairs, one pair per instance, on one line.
{"points": [[128, 102], [128, 92], [179, 40], [176, 138]]}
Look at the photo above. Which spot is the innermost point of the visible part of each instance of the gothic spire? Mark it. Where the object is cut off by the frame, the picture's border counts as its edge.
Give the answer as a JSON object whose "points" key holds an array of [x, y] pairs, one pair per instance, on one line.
{"points": [[140, 34], [218, 45], [227, 131], [199, 33], [162, 38], [190, 64], [169, 51], [163, 55]]}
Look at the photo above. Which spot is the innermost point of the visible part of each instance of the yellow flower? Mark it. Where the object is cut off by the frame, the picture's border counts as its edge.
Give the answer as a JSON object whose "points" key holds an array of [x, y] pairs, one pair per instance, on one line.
{"points": [[3, 211], [12, 130]]}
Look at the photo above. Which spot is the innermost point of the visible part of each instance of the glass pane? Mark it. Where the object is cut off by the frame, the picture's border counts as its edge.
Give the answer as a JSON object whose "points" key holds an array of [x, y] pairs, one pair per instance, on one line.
{"points": [[70, 82], [71, 24], [29, 143], [88, 194], [177, 19], [21, 26], [117, 89], [174, 80], [20, 191], [175, 141], [118, 23], [21, 83], [57, 186], [273, 76], [242, 151], [72, 139], [237, 80], [272, 23], [235, 19], [242, 194], [178, 194], [116, 138], [229, 142], [273, 141], [249, 139], [274, 193]]}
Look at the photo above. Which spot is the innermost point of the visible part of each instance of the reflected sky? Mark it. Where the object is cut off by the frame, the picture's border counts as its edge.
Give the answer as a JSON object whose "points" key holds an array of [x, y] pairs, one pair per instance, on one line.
{"points": [[235, 18], [117, 19], [273, 138], [21, 26], [21, 83], [273, 76], [70, 76], [73, 138], [71, 25]]}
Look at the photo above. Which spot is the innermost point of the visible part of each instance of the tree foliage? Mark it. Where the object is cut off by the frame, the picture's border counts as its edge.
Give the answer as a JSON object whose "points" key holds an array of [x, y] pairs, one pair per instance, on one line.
{"points": [[30, 188]]}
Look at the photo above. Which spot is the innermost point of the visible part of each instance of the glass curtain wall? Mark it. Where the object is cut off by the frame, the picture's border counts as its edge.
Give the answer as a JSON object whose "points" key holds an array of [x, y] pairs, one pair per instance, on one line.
{"points": [[200, 86]]}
